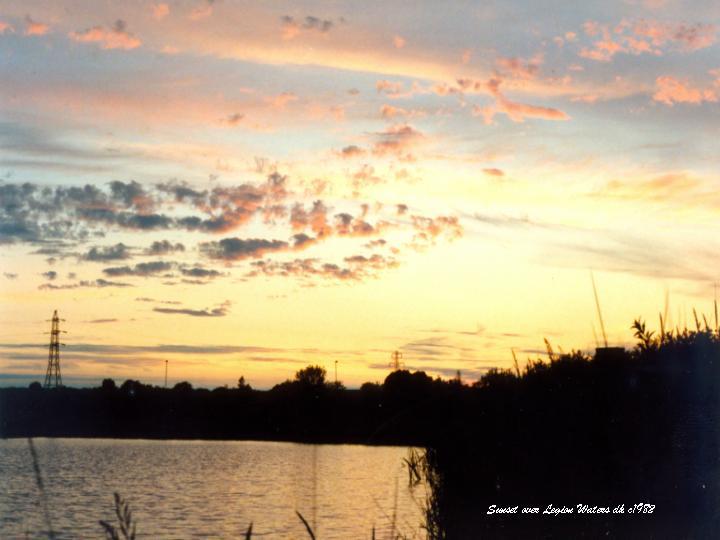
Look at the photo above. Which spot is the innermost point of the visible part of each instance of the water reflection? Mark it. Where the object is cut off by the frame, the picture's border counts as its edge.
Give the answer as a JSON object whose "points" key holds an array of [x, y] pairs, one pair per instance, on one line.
{"points": [[209, 489]]}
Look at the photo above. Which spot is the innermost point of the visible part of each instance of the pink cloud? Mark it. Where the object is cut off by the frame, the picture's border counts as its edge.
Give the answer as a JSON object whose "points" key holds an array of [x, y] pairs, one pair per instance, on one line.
{"points": [[160, 11], [281, 100], [365, 176], [388, 87], [602, 51], [688, 38], [427, 230], [352, 151], [519, 68], [399, 42], [397, 140], [592, 28], [498, 173], [587, 98], [34, 28], [671, 90], [289, 28], [517, 112], [202, 11], [444, 89], [388, 111], [5, 27], [315, 219], [645, 37], [347, 225], [116, 37]]}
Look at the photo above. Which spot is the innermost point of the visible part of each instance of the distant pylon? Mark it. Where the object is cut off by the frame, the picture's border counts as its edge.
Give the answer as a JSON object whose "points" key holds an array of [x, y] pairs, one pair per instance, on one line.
{"points": [[53, 379], [396, 364]]}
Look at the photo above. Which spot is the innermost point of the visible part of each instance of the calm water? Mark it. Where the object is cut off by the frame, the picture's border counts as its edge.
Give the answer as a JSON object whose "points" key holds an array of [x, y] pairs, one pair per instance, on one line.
{"points": [[208, 489]]}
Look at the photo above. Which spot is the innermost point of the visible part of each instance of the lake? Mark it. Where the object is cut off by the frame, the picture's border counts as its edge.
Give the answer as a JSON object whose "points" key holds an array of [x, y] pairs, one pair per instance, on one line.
{"points": [[208, 489]]}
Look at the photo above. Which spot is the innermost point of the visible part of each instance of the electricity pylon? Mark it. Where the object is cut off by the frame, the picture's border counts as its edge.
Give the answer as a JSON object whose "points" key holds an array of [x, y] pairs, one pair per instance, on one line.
{"points": [[53, 379], [396, 364]]}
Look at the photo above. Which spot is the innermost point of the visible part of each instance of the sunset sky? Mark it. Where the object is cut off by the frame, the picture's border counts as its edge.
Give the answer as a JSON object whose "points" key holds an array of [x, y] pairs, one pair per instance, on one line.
{"points": [[245, 188]]}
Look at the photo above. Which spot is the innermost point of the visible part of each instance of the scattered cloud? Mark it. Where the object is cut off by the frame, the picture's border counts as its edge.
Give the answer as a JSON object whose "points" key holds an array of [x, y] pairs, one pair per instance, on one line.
{"points": [[398, 141], [645, 37], [292, 27], [236, 249], [671, 90], [107, 253], [43, 215], [492, 171], [314, 219], [164, 247], [352, 151], [519, 68], [146, 299], [676, 188], [199, 272], [115, 37], [202, 11], [234, 119], [220, 311], [517, 112], [142, 269], [35, 28], [98, 283], [388, 111], [356, 268], [686, 37], [160, 11], [281, 100], [427, 229]]}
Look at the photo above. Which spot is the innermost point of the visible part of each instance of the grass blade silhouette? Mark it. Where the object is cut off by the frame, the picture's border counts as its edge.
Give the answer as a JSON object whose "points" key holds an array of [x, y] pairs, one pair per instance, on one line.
{"points": [[307, 525], [125, 521], [41, 488]]}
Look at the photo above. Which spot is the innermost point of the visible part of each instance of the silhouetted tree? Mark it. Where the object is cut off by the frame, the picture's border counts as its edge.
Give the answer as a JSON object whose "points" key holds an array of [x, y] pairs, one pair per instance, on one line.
{"points": [[130, 386], [404, 382], [108, 385], [35, 386], [370, 387], [183, 387], [311, 376]]}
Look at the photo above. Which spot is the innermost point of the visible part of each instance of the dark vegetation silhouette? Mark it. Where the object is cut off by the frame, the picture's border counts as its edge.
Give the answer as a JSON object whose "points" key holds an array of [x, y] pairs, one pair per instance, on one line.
{"points": [[623, 427], [619, 428]]}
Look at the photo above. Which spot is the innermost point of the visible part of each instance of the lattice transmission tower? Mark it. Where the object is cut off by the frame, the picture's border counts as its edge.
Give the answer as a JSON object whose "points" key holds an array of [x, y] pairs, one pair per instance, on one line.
{"points": [[53, 379], [396, 363]]}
